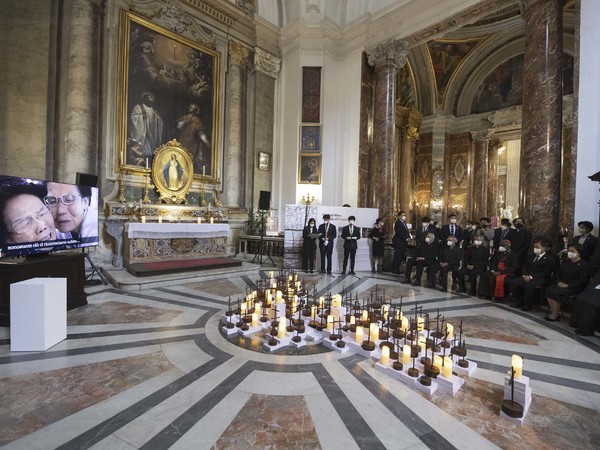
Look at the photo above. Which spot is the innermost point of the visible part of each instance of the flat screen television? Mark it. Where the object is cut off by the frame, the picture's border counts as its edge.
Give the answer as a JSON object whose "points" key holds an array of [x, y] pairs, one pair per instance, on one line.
{"points": [[39, 217]]}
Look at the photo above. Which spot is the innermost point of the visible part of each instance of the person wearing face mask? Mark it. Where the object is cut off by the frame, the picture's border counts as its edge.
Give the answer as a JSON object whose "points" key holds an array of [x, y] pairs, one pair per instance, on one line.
{"points": [[474, 263], [504, 232], [588, 241], [427, 256], [504, 263], [327, 234], [450, 257], [400, 241], [451, 229], [571, 279], [468, 233], [521, 240], [485, 231], [350, 236], [586, 315], [309, 246], [536, 272], [377, 236], [423, 229]]}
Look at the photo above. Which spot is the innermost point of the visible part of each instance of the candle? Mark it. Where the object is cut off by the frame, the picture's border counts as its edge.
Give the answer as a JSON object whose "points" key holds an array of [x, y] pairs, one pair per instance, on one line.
{"points": [[385, 355], [290, 278], [447, 369], [406, 354], [352, 320], [329, 323], [374, 332], [143, 218], [422, 344], [385, 310], [243, 308], [359, 335], [437, 361], [212, 220], [254, 320], [404, 324], [146, 163], [420, 323], [321, 299], [159, 219], [271, 274], [365, 315], [203, 171], [517, 364], [313, 312], [209, 207], [450, 331], [199, 219], [282, 329]]}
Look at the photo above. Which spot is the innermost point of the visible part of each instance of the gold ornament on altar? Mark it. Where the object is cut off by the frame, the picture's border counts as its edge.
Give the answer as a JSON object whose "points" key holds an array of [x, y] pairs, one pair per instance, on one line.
{"points": [[172, 172], [307, 199]]}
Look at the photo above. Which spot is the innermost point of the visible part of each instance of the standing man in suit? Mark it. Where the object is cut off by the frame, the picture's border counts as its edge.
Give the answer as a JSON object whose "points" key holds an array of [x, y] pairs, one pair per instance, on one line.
{"points": [[350, 234], [400, 241], [451, 229], [536, 272], [521, 240], [426, 227], [328, 234], [505, 232]]}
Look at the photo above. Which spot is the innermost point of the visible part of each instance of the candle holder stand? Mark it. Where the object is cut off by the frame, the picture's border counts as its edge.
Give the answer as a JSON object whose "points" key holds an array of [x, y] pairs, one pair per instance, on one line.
{"points": [[517, 398]]}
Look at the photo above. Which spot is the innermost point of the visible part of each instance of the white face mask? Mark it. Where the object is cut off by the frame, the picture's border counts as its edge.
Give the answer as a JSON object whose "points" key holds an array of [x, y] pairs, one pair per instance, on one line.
{"points": [[326, 222], [469, 227], [501, 249], [381, 224], [571, 255], [351, 222], [450, 243], [537, 251], [427, 240], [504, 227], [477, 243], [425, 225], [311, 224], [452, 221], [402, 217]]}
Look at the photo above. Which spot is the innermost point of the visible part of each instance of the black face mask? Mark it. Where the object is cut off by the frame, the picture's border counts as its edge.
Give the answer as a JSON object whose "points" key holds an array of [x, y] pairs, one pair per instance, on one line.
{"points": [[518, 225]]}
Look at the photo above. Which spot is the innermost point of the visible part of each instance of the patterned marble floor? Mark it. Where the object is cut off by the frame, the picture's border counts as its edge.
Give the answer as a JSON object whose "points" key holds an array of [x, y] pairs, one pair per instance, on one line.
{"points": [[150, 369]]}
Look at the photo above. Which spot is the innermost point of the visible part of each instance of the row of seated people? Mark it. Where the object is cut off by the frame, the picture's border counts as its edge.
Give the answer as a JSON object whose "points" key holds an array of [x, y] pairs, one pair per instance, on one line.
{"points": [[502, 274]]}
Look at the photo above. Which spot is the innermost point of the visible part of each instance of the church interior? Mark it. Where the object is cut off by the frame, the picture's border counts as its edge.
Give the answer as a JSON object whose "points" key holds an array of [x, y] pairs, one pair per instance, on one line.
{"points": [[210, 131]]}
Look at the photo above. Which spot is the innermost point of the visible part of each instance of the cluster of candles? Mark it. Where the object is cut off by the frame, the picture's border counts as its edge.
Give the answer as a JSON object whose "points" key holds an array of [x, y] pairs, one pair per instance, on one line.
{"points": [[170, 219]]}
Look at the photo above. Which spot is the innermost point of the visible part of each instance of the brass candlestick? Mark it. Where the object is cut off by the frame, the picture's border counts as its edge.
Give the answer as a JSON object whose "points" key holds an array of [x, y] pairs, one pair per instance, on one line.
{"points": [[121, 198], [145, 198], [217, 199], [202, 197]]}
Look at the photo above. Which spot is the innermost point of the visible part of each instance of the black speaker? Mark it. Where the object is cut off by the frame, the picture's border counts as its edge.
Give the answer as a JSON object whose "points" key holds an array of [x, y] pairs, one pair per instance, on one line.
{"points": [[86, 179], [264, 200]]}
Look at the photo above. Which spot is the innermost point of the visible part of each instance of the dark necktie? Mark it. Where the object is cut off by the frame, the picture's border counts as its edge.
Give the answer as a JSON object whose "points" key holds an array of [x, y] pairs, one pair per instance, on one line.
{"points": [[536, 258], [452, 230]]}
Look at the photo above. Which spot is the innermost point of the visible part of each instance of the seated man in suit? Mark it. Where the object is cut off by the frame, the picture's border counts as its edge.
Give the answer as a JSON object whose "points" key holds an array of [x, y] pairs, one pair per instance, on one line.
{"points": [[450, 257], [427, 256], [536, 272], [350, 234], [451, 229], [426, 227], [586, 316], [328, 233], [474, 263]]}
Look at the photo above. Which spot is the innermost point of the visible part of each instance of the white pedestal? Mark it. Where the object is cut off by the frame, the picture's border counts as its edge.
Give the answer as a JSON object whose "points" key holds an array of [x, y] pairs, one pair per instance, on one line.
{"points": [[522, 396], [38, 314]]}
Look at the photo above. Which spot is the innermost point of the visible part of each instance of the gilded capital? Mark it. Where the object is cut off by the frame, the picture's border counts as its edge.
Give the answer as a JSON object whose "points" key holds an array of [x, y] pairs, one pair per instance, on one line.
{"points": [[391, 52], [266, 62], [238, 54], [411, 132]]}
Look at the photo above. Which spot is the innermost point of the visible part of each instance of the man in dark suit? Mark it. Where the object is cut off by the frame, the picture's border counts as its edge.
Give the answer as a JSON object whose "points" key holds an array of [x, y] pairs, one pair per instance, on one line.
{"points": [[536, 272], [474, 264], [450, 258], [505, 232], [426, 227], [521, 240], [400, 241], [328, 233], [427, 256], [350, 234], [588, 241], [451, 229]]}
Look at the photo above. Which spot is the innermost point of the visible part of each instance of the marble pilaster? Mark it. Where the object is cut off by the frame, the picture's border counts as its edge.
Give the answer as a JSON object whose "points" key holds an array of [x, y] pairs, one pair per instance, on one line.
{"points": [[387, 59], [79, 108], [233, 180], [479, 171], [492, 179], [408, 121], [542, 110]]}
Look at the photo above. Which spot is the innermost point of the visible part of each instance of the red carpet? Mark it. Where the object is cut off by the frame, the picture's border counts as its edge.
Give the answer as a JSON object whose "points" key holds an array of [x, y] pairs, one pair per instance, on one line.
{"points": [[165, 267]]}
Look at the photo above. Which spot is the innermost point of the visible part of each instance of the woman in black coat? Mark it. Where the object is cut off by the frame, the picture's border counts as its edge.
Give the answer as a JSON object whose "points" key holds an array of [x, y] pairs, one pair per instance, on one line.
{"points": [[572, 278], [378, 238], [309, 247]]}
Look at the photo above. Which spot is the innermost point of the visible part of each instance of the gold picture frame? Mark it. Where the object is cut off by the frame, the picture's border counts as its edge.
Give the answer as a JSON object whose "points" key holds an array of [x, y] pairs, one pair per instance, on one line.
{"points": [[172, 173], [309, 168], [167, 88]]}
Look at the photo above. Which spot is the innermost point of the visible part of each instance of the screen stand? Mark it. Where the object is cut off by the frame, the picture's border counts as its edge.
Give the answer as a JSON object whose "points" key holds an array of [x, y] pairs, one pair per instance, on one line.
{"points": [[89, 281], [261, 253]]}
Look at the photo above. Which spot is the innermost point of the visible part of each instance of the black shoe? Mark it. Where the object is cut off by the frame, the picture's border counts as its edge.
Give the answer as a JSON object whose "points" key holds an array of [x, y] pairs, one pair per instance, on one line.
{"points": [[431, 285], [322, 271], [352, 273], [526, 308], [549, 319], [372, 270], [406, 281], [343, 272], [461, 290], [312, 271], [443, 289], [415, 283], [329, 273], [517, 305], [583, 333]]}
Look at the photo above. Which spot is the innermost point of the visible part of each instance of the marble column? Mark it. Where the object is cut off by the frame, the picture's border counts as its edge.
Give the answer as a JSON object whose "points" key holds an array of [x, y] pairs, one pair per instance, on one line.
{"points": [[479, 171], [234, 157], [492, 179], [77, 146], [387, 59], [542, 109]]}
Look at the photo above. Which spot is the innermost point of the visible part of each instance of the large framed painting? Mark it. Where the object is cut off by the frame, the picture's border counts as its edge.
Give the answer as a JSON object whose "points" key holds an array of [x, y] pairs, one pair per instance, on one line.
{"points": [[309, 168], [310, 138], [168, 89]]}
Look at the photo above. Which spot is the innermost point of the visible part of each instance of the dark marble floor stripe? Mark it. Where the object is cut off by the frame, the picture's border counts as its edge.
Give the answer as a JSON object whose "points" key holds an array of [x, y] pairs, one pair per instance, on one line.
{"points": [[166, 437], [567, 382], [168, 301], [194, 296], [413, 422], [119, 420], [249, 282], [16, 358], [330, 284], [534, 357]]}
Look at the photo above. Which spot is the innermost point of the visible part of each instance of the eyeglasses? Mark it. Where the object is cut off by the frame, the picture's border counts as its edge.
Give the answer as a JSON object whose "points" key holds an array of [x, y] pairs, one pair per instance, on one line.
{"points": [[26, 223], [67, 199]]}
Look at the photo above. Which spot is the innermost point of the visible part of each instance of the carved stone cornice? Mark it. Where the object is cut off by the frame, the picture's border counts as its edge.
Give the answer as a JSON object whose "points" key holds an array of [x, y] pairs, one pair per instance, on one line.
{"points": [[238, 54], [212, 9], [389, 53], [266, 62]]}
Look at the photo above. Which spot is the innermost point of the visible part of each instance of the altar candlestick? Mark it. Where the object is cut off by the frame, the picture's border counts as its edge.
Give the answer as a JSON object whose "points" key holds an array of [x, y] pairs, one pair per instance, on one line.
{"points": [[212, 220], [143, 218], [159, 219], [199, 219]]}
